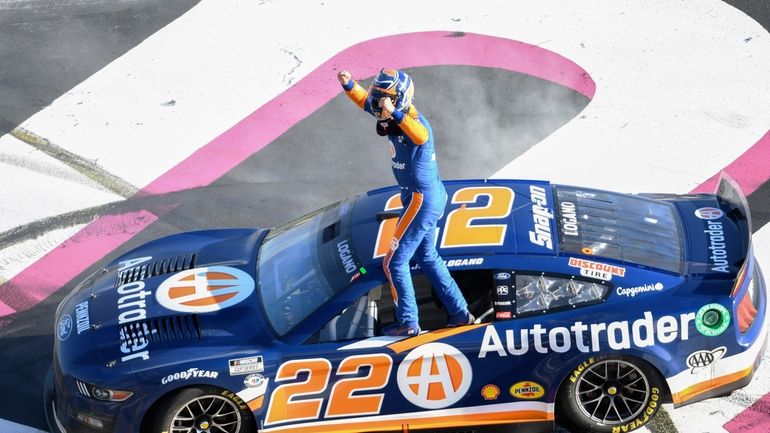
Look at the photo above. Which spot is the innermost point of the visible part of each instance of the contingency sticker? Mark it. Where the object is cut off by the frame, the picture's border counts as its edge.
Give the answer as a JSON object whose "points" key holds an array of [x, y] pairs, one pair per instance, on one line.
{"points": [[240, 366]]}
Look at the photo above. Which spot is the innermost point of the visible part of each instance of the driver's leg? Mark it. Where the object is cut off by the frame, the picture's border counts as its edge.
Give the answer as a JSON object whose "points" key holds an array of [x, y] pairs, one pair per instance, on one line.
{"points": [[437, 272]]}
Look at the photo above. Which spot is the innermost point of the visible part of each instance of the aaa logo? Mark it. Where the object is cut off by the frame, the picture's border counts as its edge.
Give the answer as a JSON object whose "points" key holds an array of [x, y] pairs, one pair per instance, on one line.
{"points": [[203, 290], [434, 376]]}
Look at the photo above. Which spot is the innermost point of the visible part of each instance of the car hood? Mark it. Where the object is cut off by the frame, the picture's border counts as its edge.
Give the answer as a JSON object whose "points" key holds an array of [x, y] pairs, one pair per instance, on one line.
{"points": [[190, 289]]}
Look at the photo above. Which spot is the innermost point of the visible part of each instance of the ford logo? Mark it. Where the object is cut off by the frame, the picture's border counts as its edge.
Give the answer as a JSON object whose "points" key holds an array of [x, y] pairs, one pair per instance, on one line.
{"points": [[502, 276], [64, 329]]}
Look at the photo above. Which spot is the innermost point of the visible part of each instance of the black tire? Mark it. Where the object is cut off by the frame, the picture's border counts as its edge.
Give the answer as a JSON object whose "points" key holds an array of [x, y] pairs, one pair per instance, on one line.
{"points": [[609, 394], [223, 411]]}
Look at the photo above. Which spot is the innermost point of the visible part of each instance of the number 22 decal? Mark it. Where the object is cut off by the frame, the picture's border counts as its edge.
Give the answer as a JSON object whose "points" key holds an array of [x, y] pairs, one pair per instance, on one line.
{"points": [[459, 230], [342, 400]]}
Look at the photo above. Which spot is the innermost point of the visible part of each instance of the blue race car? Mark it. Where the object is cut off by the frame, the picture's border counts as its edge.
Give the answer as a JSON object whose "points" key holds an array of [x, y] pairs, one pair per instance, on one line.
{"points": [[593, 309]]}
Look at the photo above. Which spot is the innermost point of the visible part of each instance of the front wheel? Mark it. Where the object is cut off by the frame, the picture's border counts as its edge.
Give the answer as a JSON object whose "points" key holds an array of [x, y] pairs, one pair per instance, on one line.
{"points": [[201, 410], [610, 394]]}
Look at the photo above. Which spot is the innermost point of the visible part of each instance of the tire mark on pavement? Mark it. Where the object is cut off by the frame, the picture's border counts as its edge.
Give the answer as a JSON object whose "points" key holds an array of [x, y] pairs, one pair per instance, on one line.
{"points": [[88, 168]]}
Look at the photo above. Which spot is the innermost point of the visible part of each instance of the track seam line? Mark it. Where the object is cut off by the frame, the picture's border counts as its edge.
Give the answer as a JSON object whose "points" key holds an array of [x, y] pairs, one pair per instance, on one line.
{"points": [[84, 166]]}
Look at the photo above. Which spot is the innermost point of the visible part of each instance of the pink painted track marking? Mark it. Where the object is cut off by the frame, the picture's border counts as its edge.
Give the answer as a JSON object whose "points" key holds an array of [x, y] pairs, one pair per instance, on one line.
{"points": [[365, 60], [213, 160], [755, 419], [5, 309], [750, 170], [47, 275]]}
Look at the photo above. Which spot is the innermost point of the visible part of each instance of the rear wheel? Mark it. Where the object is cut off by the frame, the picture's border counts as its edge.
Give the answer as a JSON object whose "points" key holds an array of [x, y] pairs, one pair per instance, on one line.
{"points": [[201, 410], [610, 394]]}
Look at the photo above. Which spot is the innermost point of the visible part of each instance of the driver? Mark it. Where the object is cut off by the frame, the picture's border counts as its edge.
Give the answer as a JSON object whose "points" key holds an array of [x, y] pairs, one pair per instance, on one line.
{"points": [[423, 196]]}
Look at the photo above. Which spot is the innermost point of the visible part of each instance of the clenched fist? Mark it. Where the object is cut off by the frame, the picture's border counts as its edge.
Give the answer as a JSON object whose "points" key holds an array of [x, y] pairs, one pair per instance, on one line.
{"points": [[344, 77]]}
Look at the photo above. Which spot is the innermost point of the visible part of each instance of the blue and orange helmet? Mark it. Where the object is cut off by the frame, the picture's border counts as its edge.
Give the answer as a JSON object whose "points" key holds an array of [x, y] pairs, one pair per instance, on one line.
{"points": [[394, 84]]}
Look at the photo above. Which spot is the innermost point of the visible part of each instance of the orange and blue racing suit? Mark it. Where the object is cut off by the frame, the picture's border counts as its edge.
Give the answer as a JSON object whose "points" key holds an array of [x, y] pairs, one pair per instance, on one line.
{"points": [[423, 197]]}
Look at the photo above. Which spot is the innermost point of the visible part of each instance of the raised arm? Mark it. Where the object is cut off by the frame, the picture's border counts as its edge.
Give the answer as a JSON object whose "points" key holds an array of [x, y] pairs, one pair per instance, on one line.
{"points": [[355, 92]]}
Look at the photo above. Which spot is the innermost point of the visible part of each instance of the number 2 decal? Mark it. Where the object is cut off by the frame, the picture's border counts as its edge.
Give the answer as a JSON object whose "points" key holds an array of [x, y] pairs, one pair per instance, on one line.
{"points": [[459, 230], [318, 371], [343, 399]]}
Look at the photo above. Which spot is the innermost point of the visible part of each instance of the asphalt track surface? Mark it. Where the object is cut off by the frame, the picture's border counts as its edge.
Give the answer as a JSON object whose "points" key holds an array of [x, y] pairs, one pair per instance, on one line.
{"points": [[46, 49]]}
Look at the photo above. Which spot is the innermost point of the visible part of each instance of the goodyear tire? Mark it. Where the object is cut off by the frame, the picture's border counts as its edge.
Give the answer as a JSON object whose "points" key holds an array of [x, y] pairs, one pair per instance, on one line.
{"points": [[610, 395], [204, 408]]}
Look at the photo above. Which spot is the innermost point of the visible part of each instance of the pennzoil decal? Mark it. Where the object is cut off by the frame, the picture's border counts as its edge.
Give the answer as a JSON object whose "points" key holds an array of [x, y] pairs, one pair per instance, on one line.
{"points": [[82, 317], [204, 290], [527, 390]]}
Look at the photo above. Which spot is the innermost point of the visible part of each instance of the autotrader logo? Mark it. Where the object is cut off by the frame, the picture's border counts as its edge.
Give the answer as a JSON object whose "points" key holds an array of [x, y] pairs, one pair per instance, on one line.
{"points": [[709, 213], [203, 290], [434, 376]]}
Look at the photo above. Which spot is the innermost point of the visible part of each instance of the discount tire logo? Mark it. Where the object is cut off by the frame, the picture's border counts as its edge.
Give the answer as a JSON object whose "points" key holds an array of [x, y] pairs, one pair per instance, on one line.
{"points": [[203, 290]]}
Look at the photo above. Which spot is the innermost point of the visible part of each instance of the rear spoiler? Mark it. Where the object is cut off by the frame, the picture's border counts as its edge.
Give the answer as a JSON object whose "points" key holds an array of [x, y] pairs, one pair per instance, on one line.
{"points": [[735, 205]]}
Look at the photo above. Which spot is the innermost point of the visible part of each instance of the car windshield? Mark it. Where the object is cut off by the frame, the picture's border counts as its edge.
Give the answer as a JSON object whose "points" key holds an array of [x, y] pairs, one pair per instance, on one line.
{"points": [[304, 263]]}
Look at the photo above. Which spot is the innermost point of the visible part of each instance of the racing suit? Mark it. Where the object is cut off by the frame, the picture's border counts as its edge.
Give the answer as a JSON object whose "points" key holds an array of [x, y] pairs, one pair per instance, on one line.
{"points": [[423, 197]]}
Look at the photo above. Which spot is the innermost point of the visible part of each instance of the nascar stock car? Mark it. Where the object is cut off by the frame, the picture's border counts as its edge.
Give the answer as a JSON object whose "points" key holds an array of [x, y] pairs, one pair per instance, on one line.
{"points": [[593, 309]]}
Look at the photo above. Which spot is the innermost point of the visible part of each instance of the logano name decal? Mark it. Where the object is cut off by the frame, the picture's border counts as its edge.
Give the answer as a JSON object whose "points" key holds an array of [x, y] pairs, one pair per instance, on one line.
{"points": [[346, 257], [569, 222], [588, 338], [542, 217]]}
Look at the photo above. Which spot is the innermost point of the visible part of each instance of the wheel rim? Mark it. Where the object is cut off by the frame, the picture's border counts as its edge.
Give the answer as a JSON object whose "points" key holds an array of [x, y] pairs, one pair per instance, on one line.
{"points": [[612, 392], [207, 414]]}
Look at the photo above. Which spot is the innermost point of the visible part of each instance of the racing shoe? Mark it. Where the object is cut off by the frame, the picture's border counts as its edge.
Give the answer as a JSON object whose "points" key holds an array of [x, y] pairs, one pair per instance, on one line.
{"points": [[466, 318], [401, 330]]}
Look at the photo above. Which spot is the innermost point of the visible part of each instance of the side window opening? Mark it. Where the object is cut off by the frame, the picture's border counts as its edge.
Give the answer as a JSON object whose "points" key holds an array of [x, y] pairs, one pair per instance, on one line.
{"points": [[357, 321], [491, 295], [474, 285], [519, 294]]}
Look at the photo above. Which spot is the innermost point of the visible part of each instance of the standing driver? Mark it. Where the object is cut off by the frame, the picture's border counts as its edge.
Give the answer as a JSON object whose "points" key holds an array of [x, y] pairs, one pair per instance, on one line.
{"points": [[423, 195]]}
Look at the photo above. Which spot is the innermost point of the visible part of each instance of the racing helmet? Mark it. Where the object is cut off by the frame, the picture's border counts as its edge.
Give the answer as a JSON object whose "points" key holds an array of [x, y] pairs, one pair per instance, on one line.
{"points": [[394, 84]]}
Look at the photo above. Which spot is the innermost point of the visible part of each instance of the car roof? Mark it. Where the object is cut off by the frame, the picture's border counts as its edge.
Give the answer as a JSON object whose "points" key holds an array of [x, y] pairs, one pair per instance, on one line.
{"points": [[522, 225]]}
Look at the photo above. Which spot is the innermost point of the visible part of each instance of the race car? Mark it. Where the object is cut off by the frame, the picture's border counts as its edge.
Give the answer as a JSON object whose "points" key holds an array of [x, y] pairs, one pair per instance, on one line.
{"points": [[593, 308]]}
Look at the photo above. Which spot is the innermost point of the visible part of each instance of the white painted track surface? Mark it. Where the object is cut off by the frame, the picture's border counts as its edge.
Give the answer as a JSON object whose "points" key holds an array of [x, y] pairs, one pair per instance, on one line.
{"points": [[680, 94]]}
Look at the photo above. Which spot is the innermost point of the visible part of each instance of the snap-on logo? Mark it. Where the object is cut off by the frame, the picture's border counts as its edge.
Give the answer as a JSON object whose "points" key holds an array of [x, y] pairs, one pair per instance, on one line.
{"points": [[203, 290]]}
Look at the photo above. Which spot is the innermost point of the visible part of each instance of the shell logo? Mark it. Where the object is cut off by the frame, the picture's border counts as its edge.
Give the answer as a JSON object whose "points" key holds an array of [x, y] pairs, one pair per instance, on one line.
{"points": [[490, 392], [527, 390], [434, 376], [203, 290]]}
